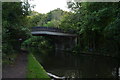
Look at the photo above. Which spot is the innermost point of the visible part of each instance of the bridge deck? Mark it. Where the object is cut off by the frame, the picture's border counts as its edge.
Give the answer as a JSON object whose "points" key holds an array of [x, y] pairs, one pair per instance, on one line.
{"points": [[49, 31]]}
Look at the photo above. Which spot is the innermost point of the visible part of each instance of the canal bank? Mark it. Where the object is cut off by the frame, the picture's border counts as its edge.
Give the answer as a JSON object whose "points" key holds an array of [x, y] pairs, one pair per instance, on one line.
{"points": [[25, 66], [35, 69], [68, 65]]}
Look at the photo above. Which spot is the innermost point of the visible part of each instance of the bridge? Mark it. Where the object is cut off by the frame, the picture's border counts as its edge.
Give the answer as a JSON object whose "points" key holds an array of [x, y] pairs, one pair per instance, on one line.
{"points": [[51, 31], [62, 40]]}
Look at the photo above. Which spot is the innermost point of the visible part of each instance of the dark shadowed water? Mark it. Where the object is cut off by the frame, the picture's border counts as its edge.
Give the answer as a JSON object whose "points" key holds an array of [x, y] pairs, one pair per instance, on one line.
{"points": [[76, 66]]}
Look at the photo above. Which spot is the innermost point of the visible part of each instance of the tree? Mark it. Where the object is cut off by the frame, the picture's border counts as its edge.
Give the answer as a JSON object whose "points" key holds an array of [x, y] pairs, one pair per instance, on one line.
{"points": [[14, 25], [93, 23]]}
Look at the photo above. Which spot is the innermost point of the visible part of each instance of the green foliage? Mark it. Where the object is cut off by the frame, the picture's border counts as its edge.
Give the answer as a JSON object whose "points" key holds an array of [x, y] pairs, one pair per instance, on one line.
{"points": [[31, 41], [35, 70], [53, 23], [51, 19], [14, 26], [96, 24], [37, 41], [36, 19]]}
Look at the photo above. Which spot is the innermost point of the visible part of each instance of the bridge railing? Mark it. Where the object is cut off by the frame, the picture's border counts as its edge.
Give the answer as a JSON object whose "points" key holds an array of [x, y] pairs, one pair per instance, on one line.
{"points": [[52, 29]]}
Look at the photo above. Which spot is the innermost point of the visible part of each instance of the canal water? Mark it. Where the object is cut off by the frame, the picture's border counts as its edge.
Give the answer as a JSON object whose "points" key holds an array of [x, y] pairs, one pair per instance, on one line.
{"points": [[66, 64]]}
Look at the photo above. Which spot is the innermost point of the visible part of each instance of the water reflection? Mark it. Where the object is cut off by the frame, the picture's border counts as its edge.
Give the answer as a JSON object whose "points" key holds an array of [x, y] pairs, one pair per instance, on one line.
{"points": [[76, 66]]}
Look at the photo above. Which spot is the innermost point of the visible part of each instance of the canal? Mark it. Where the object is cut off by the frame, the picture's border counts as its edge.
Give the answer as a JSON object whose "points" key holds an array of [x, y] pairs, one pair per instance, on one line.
{"points": [[66, 64]]}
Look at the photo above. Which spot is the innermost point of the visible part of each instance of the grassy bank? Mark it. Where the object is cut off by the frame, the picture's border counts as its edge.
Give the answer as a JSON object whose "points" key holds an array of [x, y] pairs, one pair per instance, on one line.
{"points": [[35, 70]]}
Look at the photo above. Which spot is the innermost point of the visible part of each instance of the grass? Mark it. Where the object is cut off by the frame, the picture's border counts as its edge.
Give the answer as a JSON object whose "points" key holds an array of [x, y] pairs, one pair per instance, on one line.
{"points": [[35, 70]]}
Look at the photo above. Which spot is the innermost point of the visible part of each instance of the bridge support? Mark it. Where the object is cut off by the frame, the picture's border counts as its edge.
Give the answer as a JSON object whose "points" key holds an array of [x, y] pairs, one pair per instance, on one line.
{"points": [[65, 43]]}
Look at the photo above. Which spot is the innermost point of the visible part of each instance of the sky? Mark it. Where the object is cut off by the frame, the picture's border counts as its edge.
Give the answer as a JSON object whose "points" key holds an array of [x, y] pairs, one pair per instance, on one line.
{"points": [[44, 6]]}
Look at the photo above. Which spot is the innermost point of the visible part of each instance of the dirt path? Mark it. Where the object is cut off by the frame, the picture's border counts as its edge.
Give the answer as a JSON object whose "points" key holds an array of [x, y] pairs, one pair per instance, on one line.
{"points": [[18, 69]]}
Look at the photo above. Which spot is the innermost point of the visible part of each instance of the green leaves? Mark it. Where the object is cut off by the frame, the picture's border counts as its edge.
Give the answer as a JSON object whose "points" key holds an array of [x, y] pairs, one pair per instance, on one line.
{"points": [[94, 22], [13, 22]]}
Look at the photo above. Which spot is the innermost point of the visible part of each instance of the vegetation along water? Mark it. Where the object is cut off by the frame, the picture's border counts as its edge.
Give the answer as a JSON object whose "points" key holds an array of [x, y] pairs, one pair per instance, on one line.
{"points": [[93, 53]]}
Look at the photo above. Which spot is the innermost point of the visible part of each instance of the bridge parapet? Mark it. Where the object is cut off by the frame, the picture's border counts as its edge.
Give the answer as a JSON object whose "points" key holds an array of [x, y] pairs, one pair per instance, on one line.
{"points": [[51, 29]]}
